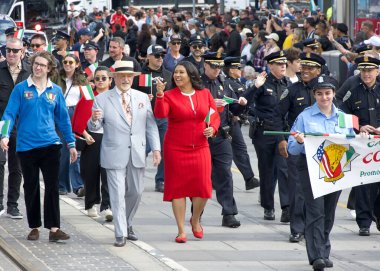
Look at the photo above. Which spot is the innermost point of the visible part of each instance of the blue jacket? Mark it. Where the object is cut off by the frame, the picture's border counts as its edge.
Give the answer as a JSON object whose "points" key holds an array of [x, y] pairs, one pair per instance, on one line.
{"points": [[312, 120], [38, 116]]}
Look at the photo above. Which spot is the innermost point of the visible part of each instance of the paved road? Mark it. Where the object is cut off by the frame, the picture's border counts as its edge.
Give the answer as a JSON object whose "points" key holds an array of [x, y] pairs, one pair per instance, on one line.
{"points": [[257, 245]]}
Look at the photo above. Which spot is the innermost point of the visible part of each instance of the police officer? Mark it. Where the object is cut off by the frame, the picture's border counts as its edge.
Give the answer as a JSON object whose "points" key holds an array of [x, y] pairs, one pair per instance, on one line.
{"points": [[197, 48], [364, 102], [220, 146], [9, 33], [313, 46], [266, 95], [293, 101], [61, 46], [90, 50], [232, 70]]}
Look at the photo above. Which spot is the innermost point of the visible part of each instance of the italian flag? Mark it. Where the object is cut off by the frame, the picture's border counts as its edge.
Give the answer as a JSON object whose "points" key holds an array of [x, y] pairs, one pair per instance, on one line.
{"points": [[210, 116], [87, 92], [4, 127], [49, 48], [229, 100], [145, 80], [90, 70], [19, 34], [348, 121], [112, 68]]}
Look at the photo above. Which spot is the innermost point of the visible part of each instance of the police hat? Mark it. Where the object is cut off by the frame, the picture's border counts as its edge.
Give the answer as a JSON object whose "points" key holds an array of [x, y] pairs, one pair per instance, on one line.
{"points": [[276, 57], [84, 32], [367, 62], [215, 58], [61, 35], [90, 45], [232, 62], [312, 43], [312, 60], [363, 49], [196, 39], [10, 31], [323, 83]]}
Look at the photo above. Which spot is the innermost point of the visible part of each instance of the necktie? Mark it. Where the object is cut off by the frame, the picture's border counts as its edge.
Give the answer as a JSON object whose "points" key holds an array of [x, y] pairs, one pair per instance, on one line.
{"points": [[126, 105]]}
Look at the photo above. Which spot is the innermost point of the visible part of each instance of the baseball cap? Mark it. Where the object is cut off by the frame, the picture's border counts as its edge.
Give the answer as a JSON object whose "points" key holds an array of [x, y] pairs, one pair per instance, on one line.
{"points": [[155, 49], [273, 36]]}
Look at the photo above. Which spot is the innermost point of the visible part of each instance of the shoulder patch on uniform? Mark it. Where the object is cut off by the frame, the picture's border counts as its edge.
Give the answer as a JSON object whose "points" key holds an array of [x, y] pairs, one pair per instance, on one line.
{"points": [[284, 94], [347, 96]]}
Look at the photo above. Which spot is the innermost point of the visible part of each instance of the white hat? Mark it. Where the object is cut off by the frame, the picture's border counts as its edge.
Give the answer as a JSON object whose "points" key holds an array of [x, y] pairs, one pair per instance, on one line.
{"points": [[124, 66], [272, 36], [374, 41]]}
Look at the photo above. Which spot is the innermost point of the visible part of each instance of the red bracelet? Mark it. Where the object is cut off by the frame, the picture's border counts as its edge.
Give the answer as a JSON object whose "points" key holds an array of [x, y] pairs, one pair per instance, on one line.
{"points": [[160, 95]]}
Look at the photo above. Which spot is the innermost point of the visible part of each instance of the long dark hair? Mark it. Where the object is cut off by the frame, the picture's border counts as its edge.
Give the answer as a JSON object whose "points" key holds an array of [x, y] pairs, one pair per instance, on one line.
{"points": [[193, 73], [78, 73]]}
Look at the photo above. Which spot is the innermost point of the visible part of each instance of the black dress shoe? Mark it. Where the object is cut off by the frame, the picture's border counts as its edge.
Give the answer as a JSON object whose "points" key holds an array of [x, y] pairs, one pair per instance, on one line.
{"points": [[295, 237], [252, 183], [329, 263], [159, 187], [230, 221], [377, 222], [319, 264], [120, 242], [285, 215], [269, 214], [131, 234], [364, 232]]}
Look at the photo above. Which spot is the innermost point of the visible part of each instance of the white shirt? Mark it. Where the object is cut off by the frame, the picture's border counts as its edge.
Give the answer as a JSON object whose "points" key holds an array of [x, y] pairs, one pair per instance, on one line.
{"points": [[72, 94]]}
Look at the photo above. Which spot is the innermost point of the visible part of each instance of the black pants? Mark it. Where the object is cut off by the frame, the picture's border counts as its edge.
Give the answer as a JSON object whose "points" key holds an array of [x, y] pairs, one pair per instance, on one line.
{"points": [[366, 201], [319, 216], [46, 159], [221, 159], [91, 173], [14, 177], [240, 153]]}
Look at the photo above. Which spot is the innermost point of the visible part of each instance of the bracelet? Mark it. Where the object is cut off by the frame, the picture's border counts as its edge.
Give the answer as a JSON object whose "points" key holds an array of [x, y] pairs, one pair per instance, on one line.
{"points": [[160, 95]]}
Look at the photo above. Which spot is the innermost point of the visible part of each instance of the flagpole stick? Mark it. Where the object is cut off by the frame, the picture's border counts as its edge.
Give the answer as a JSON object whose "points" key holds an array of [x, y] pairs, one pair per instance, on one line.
{"points": [[317, 134]]}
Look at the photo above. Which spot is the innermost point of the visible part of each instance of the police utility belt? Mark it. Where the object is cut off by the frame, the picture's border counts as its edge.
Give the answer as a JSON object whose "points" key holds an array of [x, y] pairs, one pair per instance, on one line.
{"points": [[225, 132], [264, 124]]}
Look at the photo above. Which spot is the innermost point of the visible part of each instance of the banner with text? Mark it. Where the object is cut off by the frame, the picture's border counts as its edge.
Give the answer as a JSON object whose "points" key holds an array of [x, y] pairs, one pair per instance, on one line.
{"points": [[339, 163]]}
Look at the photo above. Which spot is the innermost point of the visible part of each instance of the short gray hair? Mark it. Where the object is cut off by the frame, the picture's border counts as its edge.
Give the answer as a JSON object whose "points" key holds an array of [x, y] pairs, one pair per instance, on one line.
{"points": [[119, 40], [15, 40], [249, 71]]}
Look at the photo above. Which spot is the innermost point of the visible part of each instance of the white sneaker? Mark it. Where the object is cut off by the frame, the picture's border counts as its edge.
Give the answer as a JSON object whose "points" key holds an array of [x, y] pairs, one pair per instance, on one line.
{"points": [[353, 214], [108, 215], [92, 212]]}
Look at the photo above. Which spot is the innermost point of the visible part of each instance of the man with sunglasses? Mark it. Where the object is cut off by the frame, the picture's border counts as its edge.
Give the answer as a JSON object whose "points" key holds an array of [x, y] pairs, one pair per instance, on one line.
{"points": [[232, 70], [9, 33], [173, 57], [37, 43], [155, 55], [197, 48], [220, 146], [12, 71]]}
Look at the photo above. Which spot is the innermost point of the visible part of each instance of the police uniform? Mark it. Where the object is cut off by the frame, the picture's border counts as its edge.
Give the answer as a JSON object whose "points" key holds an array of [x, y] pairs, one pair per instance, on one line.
{"points": [[60, 35], [220, 146], [364, 102], [239, 147], [196, 40], [319, 212], [8, 32], [314, 45], [267, 116], [89, 45], [293, 101]]}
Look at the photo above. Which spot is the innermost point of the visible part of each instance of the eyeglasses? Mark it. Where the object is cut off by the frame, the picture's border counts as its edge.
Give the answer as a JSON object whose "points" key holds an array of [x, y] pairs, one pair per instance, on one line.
{"points": [[215, 66], [37, 64], [13, 50], [103, 78], [69, 62], [36, 45], [197, 47], [157, 56], [176, 43]]}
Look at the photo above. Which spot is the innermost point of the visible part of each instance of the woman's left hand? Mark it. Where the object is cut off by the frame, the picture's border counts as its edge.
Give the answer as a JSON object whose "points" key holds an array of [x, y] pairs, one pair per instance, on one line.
{"points": [[208, 132]]}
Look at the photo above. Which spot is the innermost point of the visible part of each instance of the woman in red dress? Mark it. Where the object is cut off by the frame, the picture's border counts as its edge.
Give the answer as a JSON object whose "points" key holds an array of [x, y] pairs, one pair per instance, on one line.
{"points": [[186, 150]]}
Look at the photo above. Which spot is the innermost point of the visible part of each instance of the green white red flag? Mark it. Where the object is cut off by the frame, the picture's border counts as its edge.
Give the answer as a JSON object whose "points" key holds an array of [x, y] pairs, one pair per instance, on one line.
{"points": [[112, 68], [87, 92], [50, 48], [145, 80], [348, 121], [90, 70], [4, 127], [210, 116], [230, 100], [19, 34]]}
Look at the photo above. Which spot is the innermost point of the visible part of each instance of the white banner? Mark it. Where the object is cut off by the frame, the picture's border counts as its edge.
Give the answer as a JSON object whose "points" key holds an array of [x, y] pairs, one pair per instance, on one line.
{"points": [[338, 163]]}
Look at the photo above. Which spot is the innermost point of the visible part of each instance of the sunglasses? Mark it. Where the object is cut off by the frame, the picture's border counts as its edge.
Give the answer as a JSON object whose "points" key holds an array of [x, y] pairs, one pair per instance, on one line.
{"points": [[70, 62], [215, 66], [176, 43], [197, 47], [157, 56], [103, 78], [13, 50], [36, 45]]}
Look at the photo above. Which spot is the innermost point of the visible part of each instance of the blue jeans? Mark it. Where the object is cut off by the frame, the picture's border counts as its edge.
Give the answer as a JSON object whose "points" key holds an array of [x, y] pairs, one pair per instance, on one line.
{"points": [[162, 125], [69, 174]]}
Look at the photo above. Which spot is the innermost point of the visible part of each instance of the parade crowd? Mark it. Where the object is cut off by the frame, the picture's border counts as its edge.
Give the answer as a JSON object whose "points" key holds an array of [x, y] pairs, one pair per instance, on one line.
{"points": [[181, 86]]}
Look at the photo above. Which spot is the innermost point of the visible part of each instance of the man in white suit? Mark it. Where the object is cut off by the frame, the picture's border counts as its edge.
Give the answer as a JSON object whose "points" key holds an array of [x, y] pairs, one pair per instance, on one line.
{"points": [[127, 120]]}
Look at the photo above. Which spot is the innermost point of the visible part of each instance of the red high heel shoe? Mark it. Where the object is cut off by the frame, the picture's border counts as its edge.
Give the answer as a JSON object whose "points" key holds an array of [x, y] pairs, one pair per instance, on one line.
{"points": [[179, 239], [197, 234]]}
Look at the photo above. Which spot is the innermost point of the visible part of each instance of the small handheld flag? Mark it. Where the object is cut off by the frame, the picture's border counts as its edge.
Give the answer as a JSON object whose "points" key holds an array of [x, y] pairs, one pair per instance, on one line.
{"points": [[348, 121], [90, 70], [209, 116], [4, 127], [145, 80], [49, 48], [19, 34], [87, 92], [230, 100]]}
